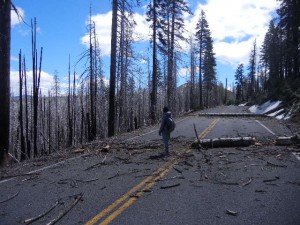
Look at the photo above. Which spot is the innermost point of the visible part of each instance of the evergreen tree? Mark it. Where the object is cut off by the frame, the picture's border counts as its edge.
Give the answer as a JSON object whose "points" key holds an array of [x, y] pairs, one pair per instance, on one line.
{"points": [[202, 33], [171, 28], [209, 73], [252, 70], [152, 16], [289, 23], [239, 79]]}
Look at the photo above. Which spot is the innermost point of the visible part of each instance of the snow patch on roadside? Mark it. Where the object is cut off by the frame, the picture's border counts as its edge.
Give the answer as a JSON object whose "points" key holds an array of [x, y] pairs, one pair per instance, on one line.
{"points": [[265, 107], [272, 109]]}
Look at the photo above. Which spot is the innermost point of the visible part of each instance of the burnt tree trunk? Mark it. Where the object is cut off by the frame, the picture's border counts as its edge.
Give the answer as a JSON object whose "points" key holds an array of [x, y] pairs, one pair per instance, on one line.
{"points": [[4, 77]]}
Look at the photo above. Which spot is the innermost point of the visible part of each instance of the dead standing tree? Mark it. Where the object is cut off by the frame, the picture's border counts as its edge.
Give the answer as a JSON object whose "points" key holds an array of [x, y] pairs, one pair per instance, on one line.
{"points": [[5, 7], [36, 73]]}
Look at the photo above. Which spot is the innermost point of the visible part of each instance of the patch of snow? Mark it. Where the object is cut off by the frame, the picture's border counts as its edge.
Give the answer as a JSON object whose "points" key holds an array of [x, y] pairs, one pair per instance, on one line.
{"points": [[243, 104], [264, 108], [276, 113], [280, 117], [253, 108]]}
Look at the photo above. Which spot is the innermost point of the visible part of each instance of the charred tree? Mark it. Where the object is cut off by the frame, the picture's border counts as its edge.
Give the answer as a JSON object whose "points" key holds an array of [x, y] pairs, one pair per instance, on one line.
{"points": [[5, 13]]}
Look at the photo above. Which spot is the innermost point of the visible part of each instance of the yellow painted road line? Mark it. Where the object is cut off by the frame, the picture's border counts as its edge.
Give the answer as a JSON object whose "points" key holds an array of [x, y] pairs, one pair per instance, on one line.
{"points": [[139, 189], [127, 195], [209, 128], [132, 200]]}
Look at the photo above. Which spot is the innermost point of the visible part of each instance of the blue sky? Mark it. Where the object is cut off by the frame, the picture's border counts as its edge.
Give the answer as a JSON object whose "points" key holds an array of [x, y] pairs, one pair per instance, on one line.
{"points": [[62, 30]]}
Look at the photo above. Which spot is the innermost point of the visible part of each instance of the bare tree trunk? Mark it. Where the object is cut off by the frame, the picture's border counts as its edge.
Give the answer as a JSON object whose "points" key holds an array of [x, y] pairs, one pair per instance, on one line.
{"points": [[4, 78], [36, 84], [112, 81], [153, 95], [23, 154], [28, 146]]}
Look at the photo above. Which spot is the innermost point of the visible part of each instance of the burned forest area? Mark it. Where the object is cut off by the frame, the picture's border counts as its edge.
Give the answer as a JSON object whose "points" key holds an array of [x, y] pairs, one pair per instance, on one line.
{"points": [[125, 138]]}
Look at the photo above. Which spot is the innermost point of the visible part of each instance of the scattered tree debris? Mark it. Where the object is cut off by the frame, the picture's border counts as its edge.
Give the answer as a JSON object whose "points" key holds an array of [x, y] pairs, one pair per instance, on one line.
{"points": [[271, 180], [79, 151], [9, 198], [72, 182], [230, 183], [105, 148], [294, 182], [170, 186], [260, 191], [96, 165], [170, 178], [134, 196], [159, 156], [31, 220], [274, 165], [77, 199], [247, 182], [91, 180], [231, 212], [18, 175], [116, 175], [178, 170], [30, 178], [188, 164]]}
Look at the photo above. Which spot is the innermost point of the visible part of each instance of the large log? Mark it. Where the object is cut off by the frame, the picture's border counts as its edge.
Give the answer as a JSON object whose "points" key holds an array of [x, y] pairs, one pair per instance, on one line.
{"points": [[224, 142], [232, 114], [283, 141]]}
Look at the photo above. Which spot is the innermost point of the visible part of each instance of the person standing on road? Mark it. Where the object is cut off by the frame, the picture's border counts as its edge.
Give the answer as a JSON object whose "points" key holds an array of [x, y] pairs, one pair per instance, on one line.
{"points": [[166, 127]]}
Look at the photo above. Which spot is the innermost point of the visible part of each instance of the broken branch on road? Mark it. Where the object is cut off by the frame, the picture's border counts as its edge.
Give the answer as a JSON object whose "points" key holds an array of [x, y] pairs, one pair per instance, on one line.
{"points": [[231, 212], [77, 199], [96, 165], [31, 220], [9, 198], [170, 186]]}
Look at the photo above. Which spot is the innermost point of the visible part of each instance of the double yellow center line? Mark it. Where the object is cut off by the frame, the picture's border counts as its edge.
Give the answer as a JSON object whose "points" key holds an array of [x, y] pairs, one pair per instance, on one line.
{"points": [[136, 192]]}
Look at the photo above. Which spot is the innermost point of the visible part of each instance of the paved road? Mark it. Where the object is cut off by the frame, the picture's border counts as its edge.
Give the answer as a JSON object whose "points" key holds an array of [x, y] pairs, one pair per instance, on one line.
{"points": [[130, 185]]}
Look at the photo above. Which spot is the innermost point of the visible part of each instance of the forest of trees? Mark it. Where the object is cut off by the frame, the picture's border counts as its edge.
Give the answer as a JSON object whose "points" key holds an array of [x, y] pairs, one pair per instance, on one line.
{"points": [[90, 108], [273, 71]]}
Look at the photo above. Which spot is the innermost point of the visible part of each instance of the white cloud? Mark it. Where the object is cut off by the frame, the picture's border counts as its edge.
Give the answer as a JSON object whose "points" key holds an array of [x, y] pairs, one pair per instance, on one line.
{"points": [[103, 30], [234, 24], [46, 82], [15, 18]]}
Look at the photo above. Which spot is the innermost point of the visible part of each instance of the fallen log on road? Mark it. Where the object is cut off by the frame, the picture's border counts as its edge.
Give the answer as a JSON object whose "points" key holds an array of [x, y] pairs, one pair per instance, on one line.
{"points": [[233, 114], [283, 141], [224, 142]]}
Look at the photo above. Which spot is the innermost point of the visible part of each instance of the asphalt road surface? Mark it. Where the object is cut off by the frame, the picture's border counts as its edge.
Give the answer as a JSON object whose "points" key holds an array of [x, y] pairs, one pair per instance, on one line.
{"points": [[124, 180]]}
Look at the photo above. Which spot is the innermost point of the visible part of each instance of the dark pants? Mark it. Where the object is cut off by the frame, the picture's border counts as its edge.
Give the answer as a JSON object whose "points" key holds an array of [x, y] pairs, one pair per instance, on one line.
{"points": [[166, 140]]}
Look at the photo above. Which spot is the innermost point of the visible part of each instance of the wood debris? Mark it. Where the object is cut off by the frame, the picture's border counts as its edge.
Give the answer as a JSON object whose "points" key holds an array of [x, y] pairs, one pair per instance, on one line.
{"points": [[271, 180], [77, 199], [170, 186], [170, 178], [9, 198], [247, 182], [231, 212], [105, 148], [275, 165], [31, 220], [79, 151]]}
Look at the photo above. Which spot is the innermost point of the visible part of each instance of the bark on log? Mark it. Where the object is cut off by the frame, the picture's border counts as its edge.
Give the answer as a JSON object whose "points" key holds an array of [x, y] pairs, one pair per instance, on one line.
{"points": [[233, 114], [283, 141], [225, 142]]}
